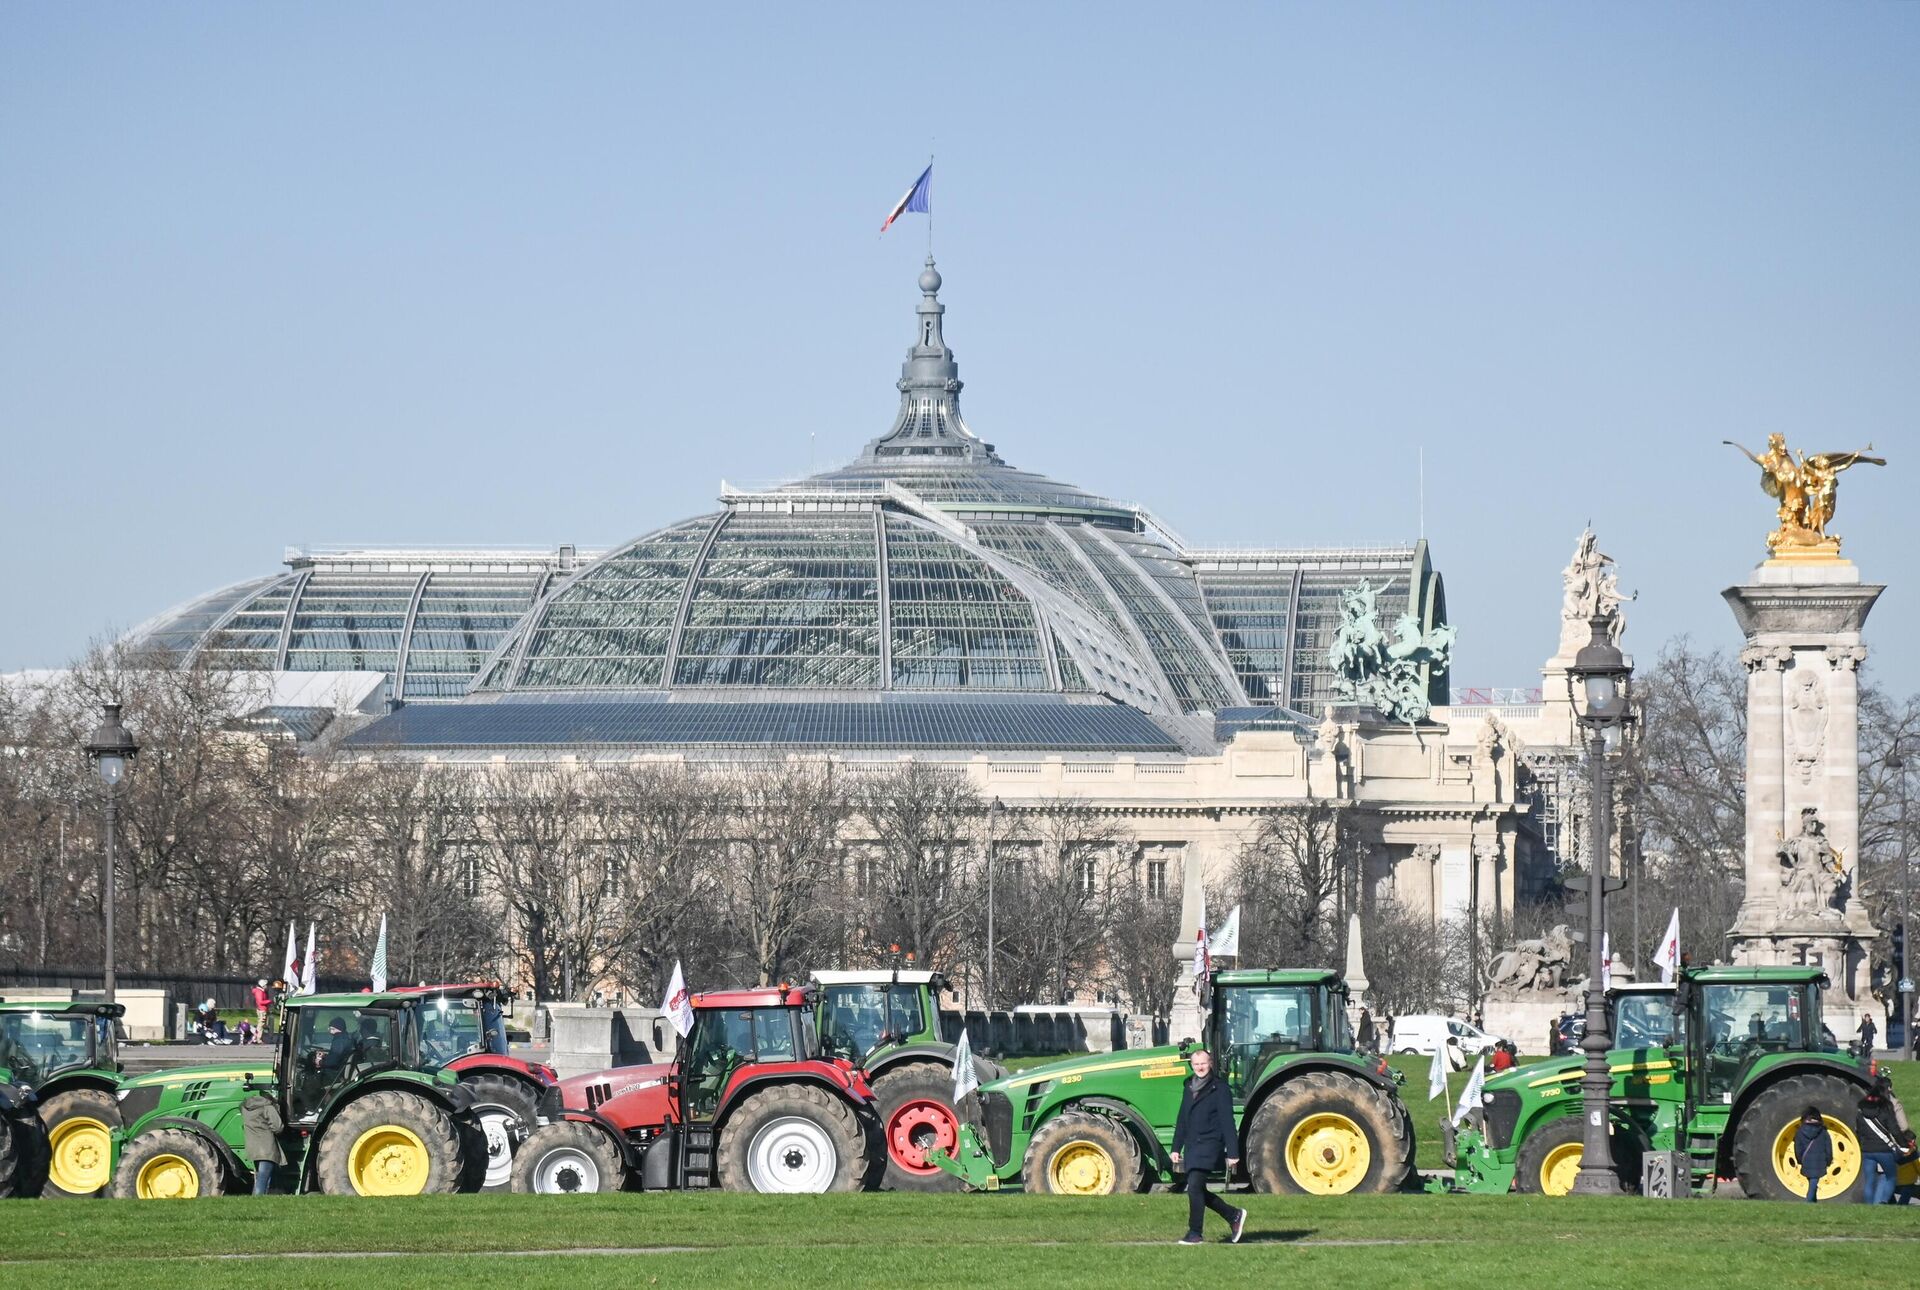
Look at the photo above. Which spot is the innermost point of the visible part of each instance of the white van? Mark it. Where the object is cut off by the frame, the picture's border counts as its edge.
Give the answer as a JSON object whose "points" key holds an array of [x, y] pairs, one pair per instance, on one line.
{"points": [[1425, 1032]]}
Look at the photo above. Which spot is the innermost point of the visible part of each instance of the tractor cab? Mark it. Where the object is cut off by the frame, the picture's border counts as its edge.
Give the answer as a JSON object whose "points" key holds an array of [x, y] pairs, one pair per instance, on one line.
{"points": [[861, 1013], [737, 1028], [330, 1043], [40, 1042], [1644, 1016], [459, 1020], [1737, 1017], [1262, 1017]]}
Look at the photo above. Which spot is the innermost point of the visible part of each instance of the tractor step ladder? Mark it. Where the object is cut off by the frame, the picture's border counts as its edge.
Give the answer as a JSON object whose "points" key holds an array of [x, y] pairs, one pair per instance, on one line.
{"points": [[699, 1168], [1703, 1149]]}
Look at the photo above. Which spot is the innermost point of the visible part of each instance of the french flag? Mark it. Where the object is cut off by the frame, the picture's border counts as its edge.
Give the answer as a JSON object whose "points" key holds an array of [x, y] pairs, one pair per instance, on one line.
{"points": [[915, 200]]}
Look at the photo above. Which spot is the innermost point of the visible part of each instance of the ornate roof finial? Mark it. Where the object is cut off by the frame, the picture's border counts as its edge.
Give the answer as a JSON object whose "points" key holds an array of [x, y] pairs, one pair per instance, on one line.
{"points": [[929, 423]]}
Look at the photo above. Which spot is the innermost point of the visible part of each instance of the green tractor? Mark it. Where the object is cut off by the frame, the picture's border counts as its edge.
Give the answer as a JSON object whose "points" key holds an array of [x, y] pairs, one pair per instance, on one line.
{"points": [[366, 1114], [1315, 1117], [1722, 1077], [63, 1056], [889, 1023]]}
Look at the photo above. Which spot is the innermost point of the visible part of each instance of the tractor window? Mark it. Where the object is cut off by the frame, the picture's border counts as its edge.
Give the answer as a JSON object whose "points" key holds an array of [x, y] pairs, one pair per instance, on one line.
{"points": [[722, 1039], [1743, 1022], [334, 1046], [450, 1028], [35, 1045], [1644, 1021], [1339, 1033], [773, 1034], [1258, 1022], [861, 1018]]}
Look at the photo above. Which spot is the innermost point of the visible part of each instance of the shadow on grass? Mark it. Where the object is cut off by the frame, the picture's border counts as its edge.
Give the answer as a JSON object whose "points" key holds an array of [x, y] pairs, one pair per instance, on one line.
{"points": [[1284, 1236]]}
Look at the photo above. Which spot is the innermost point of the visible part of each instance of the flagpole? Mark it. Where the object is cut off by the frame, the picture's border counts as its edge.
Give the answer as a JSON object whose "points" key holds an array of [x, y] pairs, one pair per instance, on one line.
{"points": [[929, 207]]}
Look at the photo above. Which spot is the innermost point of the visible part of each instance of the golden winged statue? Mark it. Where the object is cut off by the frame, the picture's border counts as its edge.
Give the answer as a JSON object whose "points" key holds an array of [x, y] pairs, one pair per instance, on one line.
{"points": [[1805, 487]]}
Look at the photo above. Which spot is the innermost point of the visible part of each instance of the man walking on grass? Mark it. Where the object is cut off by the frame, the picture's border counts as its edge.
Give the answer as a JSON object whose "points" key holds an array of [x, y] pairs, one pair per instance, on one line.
{"points": [[1205, 1139]]}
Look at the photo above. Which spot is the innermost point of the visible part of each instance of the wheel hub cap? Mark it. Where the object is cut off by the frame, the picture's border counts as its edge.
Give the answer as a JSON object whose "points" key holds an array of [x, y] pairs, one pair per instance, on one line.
{"points": [[388, 1160], [1082, 1169], [1328, 1154], [81, 1149], [791, 1154], [1840, 1174], [167, 1178], [917, 1128]]}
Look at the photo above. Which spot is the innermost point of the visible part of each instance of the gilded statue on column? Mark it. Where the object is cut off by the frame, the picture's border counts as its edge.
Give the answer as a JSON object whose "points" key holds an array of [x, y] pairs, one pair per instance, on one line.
{"points": [[1805, 487]]}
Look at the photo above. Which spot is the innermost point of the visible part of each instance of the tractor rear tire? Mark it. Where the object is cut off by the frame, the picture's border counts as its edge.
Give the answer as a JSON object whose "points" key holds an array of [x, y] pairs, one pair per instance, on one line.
{"points": [[796, 1138], [1329, 1134], [1078, 1153], [568, 1158], [80, 1124], [169, 1164], [1551, 1156], [501, 1105], [391, 1143], [915, 1105], [1763, 1157], [23, 1156]]}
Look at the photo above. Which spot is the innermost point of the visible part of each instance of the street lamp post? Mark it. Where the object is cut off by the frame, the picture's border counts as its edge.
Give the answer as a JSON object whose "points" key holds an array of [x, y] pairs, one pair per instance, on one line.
{"points": [[1603, 675], [1897, 763], [111, 750]]}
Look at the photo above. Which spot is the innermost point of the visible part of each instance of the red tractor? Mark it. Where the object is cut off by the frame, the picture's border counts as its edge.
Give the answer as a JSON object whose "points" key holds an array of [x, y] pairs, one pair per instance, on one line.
{"points": [[750, 1103], [463, 1029]]}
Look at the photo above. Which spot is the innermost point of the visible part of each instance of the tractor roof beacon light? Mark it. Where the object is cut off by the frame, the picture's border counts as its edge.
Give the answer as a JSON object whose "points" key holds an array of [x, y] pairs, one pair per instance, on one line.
{"points": [[111, 750]]}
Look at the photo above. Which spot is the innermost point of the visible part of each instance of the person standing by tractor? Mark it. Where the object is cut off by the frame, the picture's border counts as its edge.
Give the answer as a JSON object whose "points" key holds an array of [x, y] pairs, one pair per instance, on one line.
{"points": [[262, 1124], [1813, 1148], [262, 1001], [1205, 1139], [1882, 1141], [1868, 1033]]}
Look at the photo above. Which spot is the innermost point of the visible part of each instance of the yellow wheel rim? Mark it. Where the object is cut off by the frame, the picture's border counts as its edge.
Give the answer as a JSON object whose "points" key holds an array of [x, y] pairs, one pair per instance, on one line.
{"points": [[1081, 1169], [1328, 1154], [167, 1177], [388, 1160], [1840, 1174], [1557, 1171], [82, 1148]]}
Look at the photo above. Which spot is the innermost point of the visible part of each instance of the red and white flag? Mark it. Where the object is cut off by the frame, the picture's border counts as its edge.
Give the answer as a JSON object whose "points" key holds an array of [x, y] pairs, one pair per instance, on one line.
{"points": [[678, 1005], [1668, 955], [290, 970]]}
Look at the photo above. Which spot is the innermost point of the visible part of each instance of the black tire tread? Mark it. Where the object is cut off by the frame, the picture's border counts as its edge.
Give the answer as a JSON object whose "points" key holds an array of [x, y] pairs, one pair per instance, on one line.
{"points": [[906, 1081], [178, 1142], [1752, 1156], [491, 1089], [94, 1102], [572, 1133]]}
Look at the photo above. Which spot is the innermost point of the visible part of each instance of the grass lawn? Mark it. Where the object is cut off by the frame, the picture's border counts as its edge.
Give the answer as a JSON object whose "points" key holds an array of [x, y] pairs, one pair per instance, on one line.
{"points": [[982, 1240]]}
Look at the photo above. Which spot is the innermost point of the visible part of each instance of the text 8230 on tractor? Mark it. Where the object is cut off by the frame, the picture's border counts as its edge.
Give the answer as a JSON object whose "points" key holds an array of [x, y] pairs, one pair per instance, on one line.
{"points": [[1315, 1117], [1725, 1080], [750, 1103], [365, 1113]]}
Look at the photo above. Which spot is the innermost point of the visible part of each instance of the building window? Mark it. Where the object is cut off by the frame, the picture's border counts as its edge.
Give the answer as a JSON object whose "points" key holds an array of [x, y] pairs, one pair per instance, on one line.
{"points": [[1156, 877], [469, 869], [1088, 876]]}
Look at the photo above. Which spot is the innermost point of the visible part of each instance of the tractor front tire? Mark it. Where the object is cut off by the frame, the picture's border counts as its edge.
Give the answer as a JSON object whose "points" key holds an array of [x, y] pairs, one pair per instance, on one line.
{"points": [[915, 1104], [80, 1124], [1763, 1158], [1549, 1158], [1078, 1153], [169, 1164], [23, 1155], [1329, 1134], [501, 1105], [796, 1138], [568, 1158], [391, 1143]]}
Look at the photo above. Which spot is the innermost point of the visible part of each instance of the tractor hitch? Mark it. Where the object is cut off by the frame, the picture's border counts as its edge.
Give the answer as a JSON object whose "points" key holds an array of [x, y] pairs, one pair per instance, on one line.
{"points": [[969, 1162]]}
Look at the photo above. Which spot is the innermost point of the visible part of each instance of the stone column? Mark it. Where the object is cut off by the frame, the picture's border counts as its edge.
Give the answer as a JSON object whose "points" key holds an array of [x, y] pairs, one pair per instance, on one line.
{"points": [[1187, 1020], [1840, 791], [1766, 780]]}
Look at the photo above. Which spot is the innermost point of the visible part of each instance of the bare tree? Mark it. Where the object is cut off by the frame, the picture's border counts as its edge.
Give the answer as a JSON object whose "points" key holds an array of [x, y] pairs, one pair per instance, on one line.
{"points": [[1142, 925], [1406, 960], [914, 887], [1287, 878], [1054, 890], [783, 847], [665, 830]]}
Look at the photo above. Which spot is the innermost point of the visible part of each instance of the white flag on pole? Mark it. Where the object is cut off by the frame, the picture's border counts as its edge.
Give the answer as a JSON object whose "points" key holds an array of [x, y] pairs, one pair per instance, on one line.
{"points": [[1202, 960], [1470, 1095], [378, 970], [1437, 1073], [1668, 955], [678, 1005], [306, 979], [965, 1079], [1225, 943], [290, 970], [1606, 961]]}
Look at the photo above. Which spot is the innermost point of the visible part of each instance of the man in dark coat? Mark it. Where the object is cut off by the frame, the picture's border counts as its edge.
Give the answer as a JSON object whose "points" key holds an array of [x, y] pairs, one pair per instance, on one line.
{"points": [[1205, 1139], [1868, 1033], [1813, 1148]]}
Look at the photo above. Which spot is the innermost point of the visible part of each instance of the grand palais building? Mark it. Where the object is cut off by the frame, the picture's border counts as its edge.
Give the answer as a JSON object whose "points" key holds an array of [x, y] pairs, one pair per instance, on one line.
{"points": [[927, 600]]}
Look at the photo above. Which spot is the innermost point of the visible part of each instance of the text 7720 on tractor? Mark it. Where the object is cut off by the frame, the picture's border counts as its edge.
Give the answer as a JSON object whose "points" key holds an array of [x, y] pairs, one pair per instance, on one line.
{"points": [[61, 1062], [1315, 1117], [1726, 1082], [365, 1113], [750, 1103]]}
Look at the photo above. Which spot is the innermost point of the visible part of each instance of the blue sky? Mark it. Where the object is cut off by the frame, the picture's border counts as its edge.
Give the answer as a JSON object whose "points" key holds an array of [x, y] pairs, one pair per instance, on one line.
{"points": [[275, 275]]}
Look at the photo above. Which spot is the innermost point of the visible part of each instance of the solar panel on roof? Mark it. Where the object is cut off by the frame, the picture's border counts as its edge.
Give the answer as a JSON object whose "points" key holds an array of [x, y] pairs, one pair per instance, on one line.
{"points": [[1038, 727]]}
